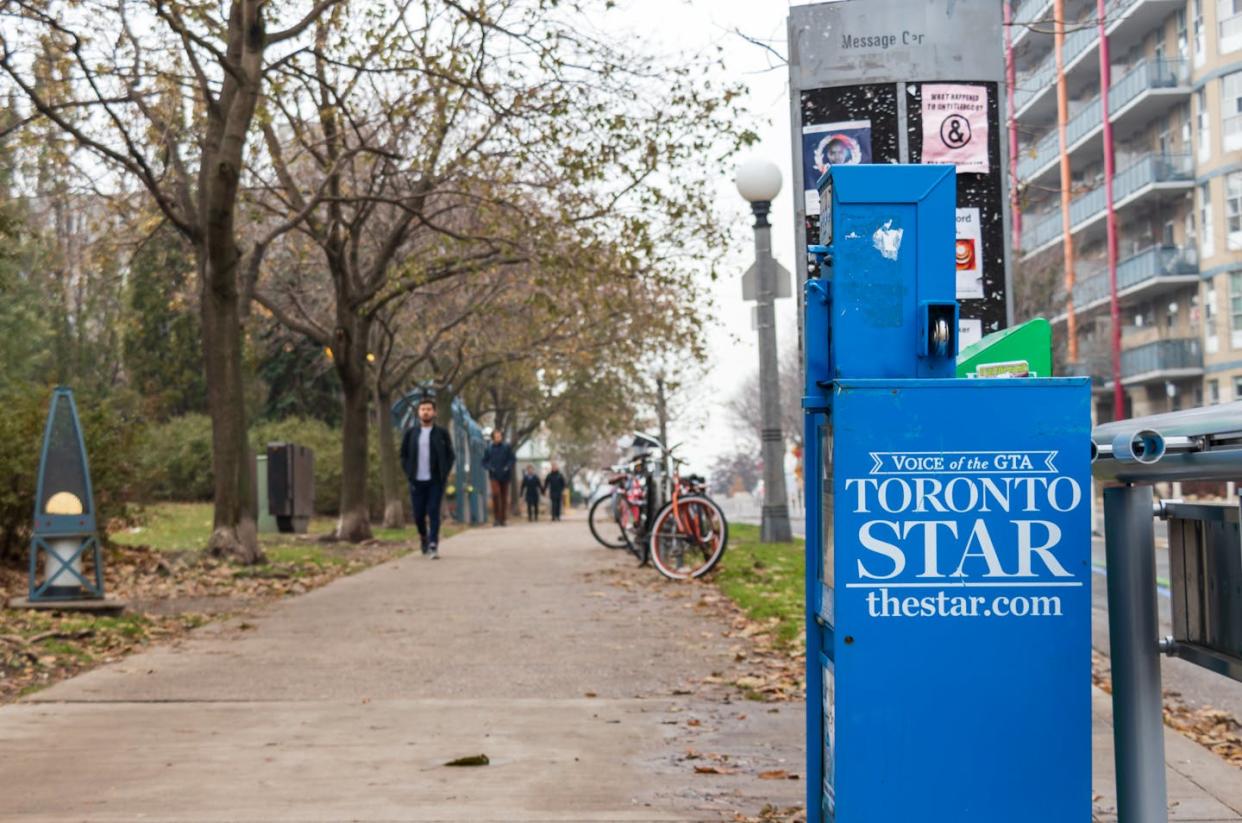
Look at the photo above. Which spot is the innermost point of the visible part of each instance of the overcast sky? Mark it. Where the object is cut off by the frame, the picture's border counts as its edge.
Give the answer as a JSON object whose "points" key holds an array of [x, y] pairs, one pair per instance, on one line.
{"points": [[695, 25]]}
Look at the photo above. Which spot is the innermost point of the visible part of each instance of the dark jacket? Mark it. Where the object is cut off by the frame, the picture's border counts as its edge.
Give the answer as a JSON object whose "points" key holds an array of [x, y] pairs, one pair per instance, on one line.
{"points": [[499, 460], [554, 483], [442, 456], [531, 488]]}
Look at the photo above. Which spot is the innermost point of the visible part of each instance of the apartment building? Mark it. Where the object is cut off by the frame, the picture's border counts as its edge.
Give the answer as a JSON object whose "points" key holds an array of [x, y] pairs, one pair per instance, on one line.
{"points": [[1175, 106]]}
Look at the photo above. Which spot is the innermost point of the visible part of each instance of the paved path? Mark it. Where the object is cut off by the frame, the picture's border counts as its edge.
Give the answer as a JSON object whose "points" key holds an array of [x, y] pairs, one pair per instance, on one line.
{"points": [[343, 704]]}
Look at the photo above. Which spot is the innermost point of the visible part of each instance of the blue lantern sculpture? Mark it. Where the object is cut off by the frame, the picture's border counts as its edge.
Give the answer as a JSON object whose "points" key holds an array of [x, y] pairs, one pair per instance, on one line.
{"points": [[64, 516]]}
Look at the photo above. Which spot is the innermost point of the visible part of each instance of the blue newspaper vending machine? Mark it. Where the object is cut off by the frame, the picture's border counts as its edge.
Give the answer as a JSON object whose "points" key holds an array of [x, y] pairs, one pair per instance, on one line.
{"points": [[948, 567]]}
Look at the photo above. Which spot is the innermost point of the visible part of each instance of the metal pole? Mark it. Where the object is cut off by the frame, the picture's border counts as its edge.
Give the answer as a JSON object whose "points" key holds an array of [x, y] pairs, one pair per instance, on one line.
{"points": [[1110, 217], [1067, 237], [1138, 721], [813, 483], [774, 527]]}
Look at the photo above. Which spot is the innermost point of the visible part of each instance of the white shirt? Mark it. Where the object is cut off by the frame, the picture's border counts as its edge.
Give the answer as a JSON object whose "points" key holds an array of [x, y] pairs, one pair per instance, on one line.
{"points": [[423, 472]]}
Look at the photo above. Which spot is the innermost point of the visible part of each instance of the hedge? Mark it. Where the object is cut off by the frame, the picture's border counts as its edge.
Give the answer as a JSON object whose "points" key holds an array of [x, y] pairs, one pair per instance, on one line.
{"points": [[176, 459]]}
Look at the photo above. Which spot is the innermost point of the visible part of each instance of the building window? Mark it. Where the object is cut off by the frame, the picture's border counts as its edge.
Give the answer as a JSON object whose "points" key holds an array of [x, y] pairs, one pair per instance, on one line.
{"points": [[1205, 126], [1229, 20], [1233, 209], [1231, 109], [1213, 392], [1200, 52], [1211, 341], [1182, 50], [1235, 310], [1237, 388], [1207, 244]]}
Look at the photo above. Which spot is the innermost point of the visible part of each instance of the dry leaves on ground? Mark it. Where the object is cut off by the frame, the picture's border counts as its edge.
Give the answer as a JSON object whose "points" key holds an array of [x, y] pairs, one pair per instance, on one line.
{"points": [[1215, 730], [168, 594], [774, 814], [770, 671]]}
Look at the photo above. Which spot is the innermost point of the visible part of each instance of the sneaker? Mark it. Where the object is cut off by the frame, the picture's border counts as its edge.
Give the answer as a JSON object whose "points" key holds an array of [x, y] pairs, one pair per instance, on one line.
{"points": [[432, 553]]}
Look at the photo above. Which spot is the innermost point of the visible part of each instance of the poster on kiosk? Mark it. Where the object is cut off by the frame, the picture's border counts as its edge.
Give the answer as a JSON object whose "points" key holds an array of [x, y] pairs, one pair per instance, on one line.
{"points": [[887, 81]]}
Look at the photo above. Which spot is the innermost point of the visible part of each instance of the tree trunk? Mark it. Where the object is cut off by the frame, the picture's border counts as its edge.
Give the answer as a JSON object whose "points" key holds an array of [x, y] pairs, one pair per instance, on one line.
{"points": [[350, 356], [234, 530], [390, 471]]}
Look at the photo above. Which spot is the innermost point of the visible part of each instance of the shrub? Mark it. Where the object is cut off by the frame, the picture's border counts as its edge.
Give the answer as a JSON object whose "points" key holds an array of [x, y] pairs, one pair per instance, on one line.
{"points": [[111, 442], [174, 460]]}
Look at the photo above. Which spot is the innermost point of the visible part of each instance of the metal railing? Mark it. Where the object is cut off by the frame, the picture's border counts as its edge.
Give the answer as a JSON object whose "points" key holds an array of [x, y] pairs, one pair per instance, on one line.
{"points": [[1147, 265], [1084, 34], [1144, 76], [1157, 261], [1146, 171], [1162, 355]]}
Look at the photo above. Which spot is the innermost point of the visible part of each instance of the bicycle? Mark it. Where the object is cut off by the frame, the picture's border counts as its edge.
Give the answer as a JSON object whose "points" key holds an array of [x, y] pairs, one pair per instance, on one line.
{"points": [[689, 534], [634, 512], [604, 518]]}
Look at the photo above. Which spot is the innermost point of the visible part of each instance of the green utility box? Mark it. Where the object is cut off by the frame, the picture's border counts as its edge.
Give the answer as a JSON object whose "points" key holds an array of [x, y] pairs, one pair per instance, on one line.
{"points": [[267, 522], [1024, 350]]}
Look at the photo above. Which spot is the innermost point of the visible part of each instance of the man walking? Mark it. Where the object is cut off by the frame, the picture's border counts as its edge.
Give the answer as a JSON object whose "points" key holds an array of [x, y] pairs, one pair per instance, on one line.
{"points": [[554, 485], [499, 460], [427, 458], [531, 489]]}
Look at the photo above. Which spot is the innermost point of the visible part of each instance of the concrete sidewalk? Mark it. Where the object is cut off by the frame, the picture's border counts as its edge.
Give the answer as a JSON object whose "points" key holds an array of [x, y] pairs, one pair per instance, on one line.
{"points": [[344, 703], [1202, 787]]}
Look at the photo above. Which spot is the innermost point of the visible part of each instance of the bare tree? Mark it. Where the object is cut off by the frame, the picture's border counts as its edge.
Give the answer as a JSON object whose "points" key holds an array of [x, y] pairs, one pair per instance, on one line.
{"points": [[164, 92]]}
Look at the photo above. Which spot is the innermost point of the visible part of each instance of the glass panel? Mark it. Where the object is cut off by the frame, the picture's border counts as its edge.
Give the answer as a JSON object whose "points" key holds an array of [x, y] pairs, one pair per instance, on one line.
{"points": [[64, 471]]}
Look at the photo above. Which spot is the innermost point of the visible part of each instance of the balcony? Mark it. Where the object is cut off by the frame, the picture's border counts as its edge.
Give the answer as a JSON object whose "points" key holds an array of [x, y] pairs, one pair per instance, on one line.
{"points": [[1142, 94], [1151, 272], [1129, 23], [1148, 178], [1037, 84], [1162, 360], [1028, 13], [1094, 367]]}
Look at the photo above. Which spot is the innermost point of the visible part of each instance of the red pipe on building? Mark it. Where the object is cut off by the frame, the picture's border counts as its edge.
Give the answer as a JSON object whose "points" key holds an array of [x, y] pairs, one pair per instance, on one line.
{"points": [[1114, 306], [1011, 83], [1067, 237]]}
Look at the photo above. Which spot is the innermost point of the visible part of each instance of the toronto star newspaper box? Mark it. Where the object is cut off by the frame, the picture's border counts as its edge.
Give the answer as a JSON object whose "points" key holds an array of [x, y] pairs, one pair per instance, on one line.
{"points": [[948, 569]]}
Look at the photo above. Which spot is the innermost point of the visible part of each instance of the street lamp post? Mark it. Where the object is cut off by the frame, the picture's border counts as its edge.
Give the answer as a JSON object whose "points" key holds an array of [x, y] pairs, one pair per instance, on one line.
{"points": [[759, 181]]}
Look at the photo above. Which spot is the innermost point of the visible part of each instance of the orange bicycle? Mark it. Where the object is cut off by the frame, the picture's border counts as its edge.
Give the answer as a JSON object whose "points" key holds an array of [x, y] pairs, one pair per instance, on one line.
{"points": [[689, 534]]}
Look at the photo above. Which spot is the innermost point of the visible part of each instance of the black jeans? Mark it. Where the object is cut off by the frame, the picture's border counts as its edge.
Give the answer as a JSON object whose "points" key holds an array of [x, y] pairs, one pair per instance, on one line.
{"points": [[532, 509], [555, 502], [425, 497]]}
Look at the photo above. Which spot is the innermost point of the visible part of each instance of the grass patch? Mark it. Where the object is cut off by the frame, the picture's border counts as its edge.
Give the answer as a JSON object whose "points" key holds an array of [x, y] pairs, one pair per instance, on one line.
{"points": [[765, 579], [185, 527], [170, 527]]}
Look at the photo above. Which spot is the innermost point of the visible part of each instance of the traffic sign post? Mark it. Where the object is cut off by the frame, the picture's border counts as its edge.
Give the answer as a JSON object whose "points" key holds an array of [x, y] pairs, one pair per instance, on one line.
{"points": [[948, 569]]}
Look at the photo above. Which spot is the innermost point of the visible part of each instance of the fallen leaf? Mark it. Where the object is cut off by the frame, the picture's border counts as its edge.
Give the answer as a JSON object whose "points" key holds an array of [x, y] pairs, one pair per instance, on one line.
{"points": [[777, 774], [472, 760], [714, 770]]}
